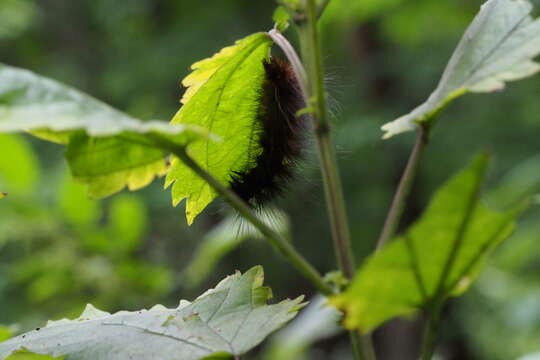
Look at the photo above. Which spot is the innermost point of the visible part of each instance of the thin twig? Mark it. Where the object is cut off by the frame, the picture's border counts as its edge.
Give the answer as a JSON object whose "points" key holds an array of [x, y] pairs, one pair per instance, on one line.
{"points": [[284, 246], [431, 330], [404, 189]]}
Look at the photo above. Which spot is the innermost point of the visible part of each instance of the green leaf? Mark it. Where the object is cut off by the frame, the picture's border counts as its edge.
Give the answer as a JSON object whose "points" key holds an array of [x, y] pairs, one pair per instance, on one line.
{"points": [[107, 165], [437, 257], [281, 18], [224, 238], [229, 319], [498, 46], [224, 95], [3, 195], [107, 149]]}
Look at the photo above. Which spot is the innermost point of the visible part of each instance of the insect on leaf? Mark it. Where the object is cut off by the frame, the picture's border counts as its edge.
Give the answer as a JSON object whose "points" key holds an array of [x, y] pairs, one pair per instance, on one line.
{"points": [[224, 96], [226, 321], [498, 46], [437, 257]]}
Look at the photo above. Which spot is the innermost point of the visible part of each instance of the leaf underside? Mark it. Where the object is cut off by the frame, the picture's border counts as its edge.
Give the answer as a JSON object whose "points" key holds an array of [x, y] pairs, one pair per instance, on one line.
{"points": [[499, 46], [127, 152], [226, 321], [437, 257], [223, 95]]}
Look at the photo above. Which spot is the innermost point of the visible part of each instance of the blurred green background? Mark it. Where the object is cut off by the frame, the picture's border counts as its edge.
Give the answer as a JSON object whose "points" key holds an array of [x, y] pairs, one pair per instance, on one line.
{"points": [[59, 250]]}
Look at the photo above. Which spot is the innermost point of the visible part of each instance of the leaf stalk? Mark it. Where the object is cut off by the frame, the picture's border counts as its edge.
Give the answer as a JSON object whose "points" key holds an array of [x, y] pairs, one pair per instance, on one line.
{"points": [[281, 244], [404, 189]]}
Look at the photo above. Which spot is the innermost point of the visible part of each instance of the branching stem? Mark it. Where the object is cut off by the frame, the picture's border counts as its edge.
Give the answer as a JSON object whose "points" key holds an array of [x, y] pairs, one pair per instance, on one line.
{"points": [[404, 189], [283, 246]]}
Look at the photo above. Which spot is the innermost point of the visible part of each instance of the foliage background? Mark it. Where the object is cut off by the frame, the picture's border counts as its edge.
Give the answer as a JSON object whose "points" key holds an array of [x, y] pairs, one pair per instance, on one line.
{"points": [[59, 250]]}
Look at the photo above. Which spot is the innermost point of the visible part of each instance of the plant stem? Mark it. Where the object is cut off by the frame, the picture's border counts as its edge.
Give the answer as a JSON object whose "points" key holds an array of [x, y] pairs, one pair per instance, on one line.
{"points": [[284, 246], [332, 182], [430, 333], [404, 189], [316, 96]]}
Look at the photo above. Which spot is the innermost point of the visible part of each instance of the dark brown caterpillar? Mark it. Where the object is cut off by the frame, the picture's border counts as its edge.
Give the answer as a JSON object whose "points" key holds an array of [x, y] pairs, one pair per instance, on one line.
{"points": [[282, 138]]}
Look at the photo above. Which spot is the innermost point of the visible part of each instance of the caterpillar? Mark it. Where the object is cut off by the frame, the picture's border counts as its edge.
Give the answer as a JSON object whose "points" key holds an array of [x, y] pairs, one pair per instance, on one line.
{"points": [[282, 138]]}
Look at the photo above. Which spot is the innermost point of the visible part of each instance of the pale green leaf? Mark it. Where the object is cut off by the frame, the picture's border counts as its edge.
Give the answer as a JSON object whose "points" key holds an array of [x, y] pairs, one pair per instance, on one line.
{"points": [[29, 102], [498, 46], [224, 94], [229, 319], [437, 257], [107, 149]]}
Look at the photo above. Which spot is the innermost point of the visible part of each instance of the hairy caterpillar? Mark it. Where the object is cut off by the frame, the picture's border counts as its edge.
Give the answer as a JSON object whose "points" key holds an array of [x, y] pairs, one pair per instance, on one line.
{"points": [[282, 136]]}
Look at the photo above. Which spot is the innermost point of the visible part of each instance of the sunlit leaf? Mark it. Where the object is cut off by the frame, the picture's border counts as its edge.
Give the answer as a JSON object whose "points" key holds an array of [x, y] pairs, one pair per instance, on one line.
{"points": [[437, 257], [230, 319], [224, 94], [498, 46]]}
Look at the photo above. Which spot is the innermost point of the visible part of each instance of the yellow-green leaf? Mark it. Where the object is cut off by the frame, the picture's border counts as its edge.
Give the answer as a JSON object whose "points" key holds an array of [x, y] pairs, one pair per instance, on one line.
{"points": [[437, 257], [223, 96]]}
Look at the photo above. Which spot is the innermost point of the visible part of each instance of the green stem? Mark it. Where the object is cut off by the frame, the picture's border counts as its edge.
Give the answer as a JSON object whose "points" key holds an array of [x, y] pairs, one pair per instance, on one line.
{"points": [[332, 182], [431, 330], [316, 96], [284, 246], [404, 189]]}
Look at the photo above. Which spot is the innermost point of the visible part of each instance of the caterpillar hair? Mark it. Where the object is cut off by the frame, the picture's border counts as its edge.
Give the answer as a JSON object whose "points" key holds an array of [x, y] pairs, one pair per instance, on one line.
{"points": [[282, 137]]}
